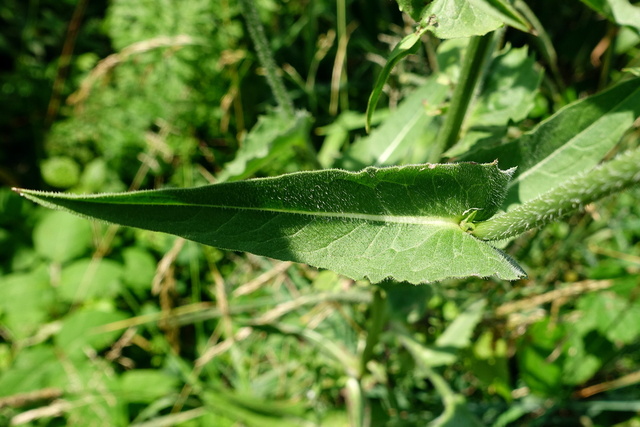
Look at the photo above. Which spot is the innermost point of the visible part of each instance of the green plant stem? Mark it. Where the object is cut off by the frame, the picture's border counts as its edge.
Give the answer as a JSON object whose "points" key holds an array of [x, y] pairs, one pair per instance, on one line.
{"points": [[355, 402], [607, 57], [377, 320], [611, 177], [256, 31], [470, 73]]}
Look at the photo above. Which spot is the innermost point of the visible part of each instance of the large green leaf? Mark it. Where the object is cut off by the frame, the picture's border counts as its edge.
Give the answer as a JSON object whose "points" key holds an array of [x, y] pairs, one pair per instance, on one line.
{"points": [[585, 130], [408, 223], [26, 299]]}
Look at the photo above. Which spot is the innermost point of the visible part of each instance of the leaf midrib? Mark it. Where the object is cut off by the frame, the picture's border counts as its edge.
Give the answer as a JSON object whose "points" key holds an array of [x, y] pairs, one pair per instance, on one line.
{"points": [[397, 219]]}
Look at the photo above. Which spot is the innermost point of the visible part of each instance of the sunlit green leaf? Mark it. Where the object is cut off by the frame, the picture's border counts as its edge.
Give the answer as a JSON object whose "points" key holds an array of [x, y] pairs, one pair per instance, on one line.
{"points": [[36, 368], [25, 301], [146, 385], [461, 18], [88, 278], [585, 130], [409, 223]]}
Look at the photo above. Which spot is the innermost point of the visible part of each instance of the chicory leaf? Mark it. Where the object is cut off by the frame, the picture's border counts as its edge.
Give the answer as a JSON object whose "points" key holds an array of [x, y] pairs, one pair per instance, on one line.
{"points": [[409, 223]]}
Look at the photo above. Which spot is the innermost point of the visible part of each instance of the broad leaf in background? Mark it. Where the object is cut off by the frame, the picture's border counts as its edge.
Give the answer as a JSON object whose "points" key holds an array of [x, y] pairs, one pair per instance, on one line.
{"points": [[87, 279], [79, 330], [25, 301], [35, 369], [273, 137], [585, 130], [507, 96], [61, 237], [147, 385], [401, 132], [489, 363], [466, 18], [449, 57], [542, 374], [408, 223], [619, 11]]}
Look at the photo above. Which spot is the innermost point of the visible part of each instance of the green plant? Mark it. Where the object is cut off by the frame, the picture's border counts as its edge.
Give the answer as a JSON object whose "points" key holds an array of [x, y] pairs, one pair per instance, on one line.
{"points": [[414, 223], [88, 317]]}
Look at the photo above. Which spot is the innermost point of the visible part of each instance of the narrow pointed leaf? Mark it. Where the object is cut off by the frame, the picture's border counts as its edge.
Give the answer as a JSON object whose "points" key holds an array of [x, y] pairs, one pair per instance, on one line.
{"points": [[398, 222], [407, 45], [585, 130]]}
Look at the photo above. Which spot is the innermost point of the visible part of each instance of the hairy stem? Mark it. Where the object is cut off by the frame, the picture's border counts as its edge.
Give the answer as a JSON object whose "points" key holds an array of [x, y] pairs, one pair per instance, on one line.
{"points": [[256, 31], [470, 73], [611, 177]]}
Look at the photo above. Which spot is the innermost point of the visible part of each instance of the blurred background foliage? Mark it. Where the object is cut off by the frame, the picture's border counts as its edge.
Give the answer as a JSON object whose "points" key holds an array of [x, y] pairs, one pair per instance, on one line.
{"points": [[107, 326]]}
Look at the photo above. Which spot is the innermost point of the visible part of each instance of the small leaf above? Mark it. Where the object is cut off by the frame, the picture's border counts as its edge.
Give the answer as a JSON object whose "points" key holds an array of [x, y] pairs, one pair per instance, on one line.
{"points": [[462, 18], [409, 223]]}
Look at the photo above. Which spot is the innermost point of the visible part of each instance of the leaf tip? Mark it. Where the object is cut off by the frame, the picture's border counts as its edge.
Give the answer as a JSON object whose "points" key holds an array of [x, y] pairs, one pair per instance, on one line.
{"points": [[21, 191]]}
